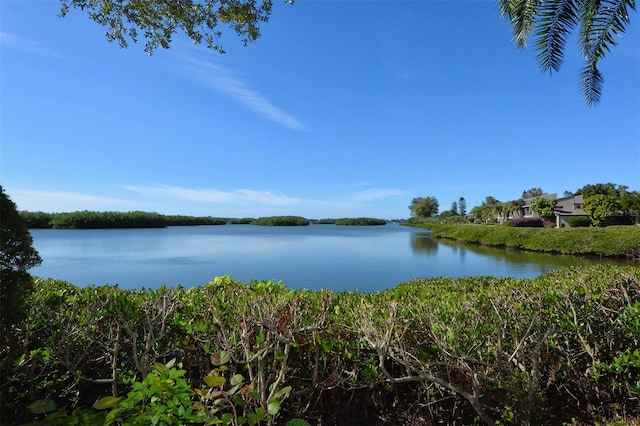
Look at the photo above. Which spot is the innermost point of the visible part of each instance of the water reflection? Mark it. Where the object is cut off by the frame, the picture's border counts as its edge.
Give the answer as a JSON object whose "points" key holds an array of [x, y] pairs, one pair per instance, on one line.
{"points": [[527, 257], [422, 242], [323, 256]]}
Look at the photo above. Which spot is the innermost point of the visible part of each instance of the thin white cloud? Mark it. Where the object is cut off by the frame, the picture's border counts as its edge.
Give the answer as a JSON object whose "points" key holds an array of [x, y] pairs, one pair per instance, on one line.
{"points": [[64, 201], [27, 45], [377, 194], [218, 78], [172, 199], [214, 196]]}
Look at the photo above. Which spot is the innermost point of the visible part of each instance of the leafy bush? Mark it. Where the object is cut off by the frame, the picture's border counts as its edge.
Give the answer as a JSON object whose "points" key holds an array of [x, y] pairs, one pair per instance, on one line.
{"points": [[281, 221], [579, 221], [533, 222], [444, 350]]}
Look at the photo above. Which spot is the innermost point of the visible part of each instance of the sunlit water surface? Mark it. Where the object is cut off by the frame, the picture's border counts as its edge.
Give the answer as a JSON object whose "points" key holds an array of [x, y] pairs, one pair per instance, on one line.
{"points": [[367, 258]]}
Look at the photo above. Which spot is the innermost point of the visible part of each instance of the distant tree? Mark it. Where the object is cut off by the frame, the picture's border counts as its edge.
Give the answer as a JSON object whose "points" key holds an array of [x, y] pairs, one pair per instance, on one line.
{"points": [[489, 206], [454, 208], [481, 213], [514, 207], [599, 207], [17, 255], [532, 192], [544, 207], [600, 24], [424, 207], [159, 20], [608, 189], [630, 204], [462, 206]]}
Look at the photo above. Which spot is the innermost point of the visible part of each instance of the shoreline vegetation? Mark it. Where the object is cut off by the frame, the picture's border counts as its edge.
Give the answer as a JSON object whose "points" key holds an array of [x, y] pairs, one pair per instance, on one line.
{"points": [[137, 219], [562, 347], [613, 241]]}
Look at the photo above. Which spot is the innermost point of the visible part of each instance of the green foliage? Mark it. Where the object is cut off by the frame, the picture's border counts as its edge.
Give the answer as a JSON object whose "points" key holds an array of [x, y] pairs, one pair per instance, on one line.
{"points": [[177, 220], [615, 241], [240, 221], [95, 220], [609, 189], [448, 350], [281, 221], [101, 220], [162, 398], [579, 222], [324, 221], [599, 207], [422, 207], [158, 21], [17, 256], [462, 206], [544, 207], [532, 192], [36, 219], [360, 221]]}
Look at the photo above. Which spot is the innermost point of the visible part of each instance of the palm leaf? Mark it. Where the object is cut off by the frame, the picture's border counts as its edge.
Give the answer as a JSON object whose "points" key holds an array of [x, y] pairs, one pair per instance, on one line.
{"points": [[557, 19], [600, 27], [522, 16]]}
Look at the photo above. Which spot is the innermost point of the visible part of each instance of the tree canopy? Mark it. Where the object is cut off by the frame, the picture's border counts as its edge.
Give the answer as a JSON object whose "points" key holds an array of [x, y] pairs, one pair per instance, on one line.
{"points": [[532, 192], [159, 20], [424, 207], [17, 255], [599, 23]]}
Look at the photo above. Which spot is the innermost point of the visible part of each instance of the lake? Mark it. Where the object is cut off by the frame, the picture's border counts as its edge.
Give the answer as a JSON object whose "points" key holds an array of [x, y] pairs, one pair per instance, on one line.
{"points": [[367, 258]]}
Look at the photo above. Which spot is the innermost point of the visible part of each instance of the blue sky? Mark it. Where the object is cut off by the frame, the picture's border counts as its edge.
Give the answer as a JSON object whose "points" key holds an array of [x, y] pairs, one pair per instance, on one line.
{"points": [[342, 108]]}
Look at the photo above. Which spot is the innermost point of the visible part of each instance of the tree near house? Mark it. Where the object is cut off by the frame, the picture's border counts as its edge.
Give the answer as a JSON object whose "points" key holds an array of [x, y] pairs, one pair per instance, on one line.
{"points": [[544, 207], [514, 207], [17, 255], [489, 206], [599, 207], [532, 192], [630, 204], [422, 207], [609, 189]]}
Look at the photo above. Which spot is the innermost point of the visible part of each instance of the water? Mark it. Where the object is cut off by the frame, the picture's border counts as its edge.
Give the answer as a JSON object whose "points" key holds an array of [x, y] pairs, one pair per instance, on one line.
{"points": [[367, 258]]}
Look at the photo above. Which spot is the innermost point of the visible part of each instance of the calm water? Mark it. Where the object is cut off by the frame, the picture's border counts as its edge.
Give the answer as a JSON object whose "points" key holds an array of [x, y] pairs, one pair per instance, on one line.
{"points": [[366, 258]]}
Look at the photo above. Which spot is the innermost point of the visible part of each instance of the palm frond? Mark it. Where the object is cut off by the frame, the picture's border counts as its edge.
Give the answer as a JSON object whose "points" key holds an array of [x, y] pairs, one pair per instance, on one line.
{"points": [[557, 19], [522, 16], [591, 84], [600, 27]]}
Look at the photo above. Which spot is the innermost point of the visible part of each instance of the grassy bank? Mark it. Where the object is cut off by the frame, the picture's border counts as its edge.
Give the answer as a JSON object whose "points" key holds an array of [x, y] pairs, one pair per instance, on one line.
{"points": [[562, 347], [613, 241]]}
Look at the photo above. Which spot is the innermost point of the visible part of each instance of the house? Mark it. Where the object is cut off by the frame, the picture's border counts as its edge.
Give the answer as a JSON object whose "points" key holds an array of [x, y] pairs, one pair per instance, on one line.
{"points": [[565, 208]]}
